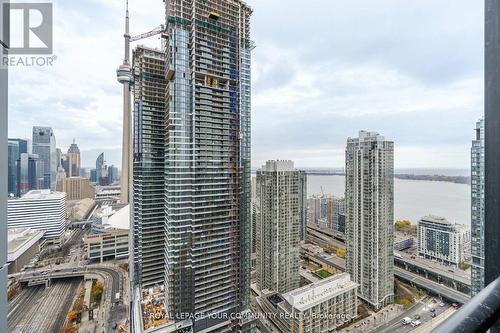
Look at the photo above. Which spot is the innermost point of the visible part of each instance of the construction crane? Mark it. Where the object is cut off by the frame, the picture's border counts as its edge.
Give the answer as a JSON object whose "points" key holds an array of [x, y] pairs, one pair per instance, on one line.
{"points": [[126, 78], [156, 31]]}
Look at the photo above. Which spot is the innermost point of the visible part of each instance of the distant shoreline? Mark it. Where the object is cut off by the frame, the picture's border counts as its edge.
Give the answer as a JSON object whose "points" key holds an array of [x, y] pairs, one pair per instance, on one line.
{"points": [[405, 176], [456, 176], [435, 178]]}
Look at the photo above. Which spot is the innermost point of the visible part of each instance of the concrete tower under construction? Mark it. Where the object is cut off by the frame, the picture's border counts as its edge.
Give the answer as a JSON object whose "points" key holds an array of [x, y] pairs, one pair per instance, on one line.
{"points": [[192, 163]]}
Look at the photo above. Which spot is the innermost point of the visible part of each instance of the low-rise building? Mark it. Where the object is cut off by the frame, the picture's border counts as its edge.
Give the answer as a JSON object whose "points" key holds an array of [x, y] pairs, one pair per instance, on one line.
{"points": [[402, 241], [109, 241], [40, 210], [322, 306], [80, 209], [23, 244], [441, 240]]}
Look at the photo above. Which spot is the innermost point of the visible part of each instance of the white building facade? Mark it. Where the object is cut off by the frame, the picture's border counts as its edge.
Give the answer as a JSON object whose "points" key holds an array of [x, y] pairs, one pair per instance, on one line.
{"points": [[40, 210], [322, 306], [440, 240]]}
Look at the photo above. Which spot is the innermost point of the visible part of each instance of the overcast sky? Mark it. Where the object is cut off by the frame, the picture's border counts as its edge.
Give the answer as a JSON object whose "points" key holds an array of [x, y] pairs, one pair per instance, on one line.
{"points": [[322, 70]]}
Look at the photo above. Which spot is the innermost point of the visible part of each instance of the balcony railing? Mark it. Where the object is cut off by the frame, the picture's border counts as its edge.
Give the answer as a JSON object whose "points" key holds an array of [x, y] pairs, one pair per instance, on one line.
{"points": [[480, 314]]}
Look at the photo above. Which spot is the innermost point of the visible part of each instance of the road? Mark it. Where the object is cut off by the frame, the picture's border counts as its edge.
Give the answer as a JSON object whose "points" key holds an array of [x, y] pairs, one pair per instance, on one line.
{"points": [[449, 272], [422, 308], [432, 286]]}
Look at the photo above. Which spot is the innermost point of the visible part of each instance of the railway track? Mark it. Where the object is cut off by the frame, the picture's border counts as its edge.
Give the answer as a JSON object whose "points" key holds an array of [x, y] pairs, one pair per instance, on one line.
{"points": [[17, 308], [43, 311], [52, 310]]}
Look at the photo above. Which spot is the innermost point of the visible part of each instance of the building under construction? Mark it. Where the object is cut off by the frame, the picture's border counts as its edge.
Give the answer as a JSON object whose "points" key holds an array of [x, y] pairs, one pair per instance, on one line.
{"points": [[149, 164], [191, 178]]}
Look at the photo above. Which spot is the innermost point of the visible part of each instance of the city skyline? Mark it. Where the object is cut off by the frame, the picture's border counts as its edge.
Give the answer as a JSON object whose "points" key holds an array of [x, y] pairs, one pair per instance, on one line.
{"points": [[336, 94]]}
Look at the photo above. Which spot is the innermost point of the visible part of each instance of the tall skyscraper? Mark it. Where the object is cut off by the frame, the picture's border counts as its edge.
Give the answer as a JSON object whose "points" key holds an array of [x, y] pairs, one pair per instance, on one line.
{"points": [[24, 145], [206, 185], [59, 159], [338, 215], [369, 208], [44, 145], [149, 165], [29, 174], [112, 174], [16, 147], [492, 142], [281, 200], [13, 156], [100, 169], [93, 176], [477, 209], [73, 160]]}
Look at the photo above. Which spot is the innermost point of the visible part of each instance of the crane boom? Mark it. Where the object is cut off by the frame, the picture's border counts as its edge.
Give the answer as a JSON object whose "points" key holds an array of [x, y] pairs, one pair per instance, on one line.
{"points": [[156, 31]]}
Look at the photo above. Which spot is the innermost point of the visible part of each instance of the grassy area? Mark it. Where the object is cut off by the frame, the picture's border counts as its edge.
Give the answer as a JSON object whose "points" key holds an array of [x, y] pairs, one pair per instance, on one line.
{"points": [[322, 274], [405, 294]]}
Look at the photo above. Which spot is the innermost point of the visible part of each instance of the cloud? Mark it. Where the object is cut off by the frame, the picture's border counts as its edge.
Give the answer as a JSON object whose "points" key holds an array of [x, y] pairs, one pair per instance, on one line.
{"points": [[79, 96], [410, 70], [322, 70]]}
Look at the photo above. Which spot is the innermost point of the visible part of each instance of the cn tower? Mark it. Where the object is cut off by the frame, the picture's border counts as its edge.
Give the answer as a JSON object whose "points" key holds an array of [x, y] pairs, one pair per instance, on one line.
{"points": [[124, 76]]}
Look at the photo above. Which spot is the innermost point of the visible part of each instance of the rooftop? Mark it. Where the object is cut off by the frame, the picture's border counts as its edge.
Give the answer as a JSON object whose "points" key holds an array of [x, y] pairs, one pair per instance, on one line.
{"points": [[41, 195], [435, 219], [285, 165], [320, 291], [21, 239], [115, 216]]}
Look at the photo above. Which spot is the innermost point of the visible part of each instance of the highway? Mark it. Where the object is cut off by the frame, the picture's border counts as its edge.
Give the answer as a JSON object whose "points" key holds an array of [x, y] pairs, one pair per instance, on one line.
{"points": [[446, 292], [429, 285], [421, 308], [322, 239], [449, 272]]}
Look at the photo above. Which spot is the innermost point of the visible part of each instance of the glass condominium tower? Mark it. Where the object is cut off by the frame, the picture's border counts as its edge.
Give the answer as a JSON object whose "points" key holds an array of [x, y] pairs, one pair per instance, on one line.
{"points": [[477, 209], [281, 197], [199, 145], [44, 145], [369, 209]]}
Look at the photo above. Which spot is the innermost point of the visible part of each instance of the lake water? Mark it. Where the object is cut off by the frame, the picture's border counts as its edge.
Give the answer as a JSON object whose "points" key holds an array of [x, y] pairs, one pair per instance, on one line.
{"points": [[412, 198]]}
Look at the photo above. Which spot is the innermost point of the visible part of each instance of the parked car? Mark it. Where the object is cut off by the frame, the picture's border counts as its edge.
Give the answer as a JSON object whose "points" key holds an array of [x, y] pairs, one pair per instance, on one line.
{"points": [[433, 314], [417, 316], [432, 310], [455, 305], [441, 304]]}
